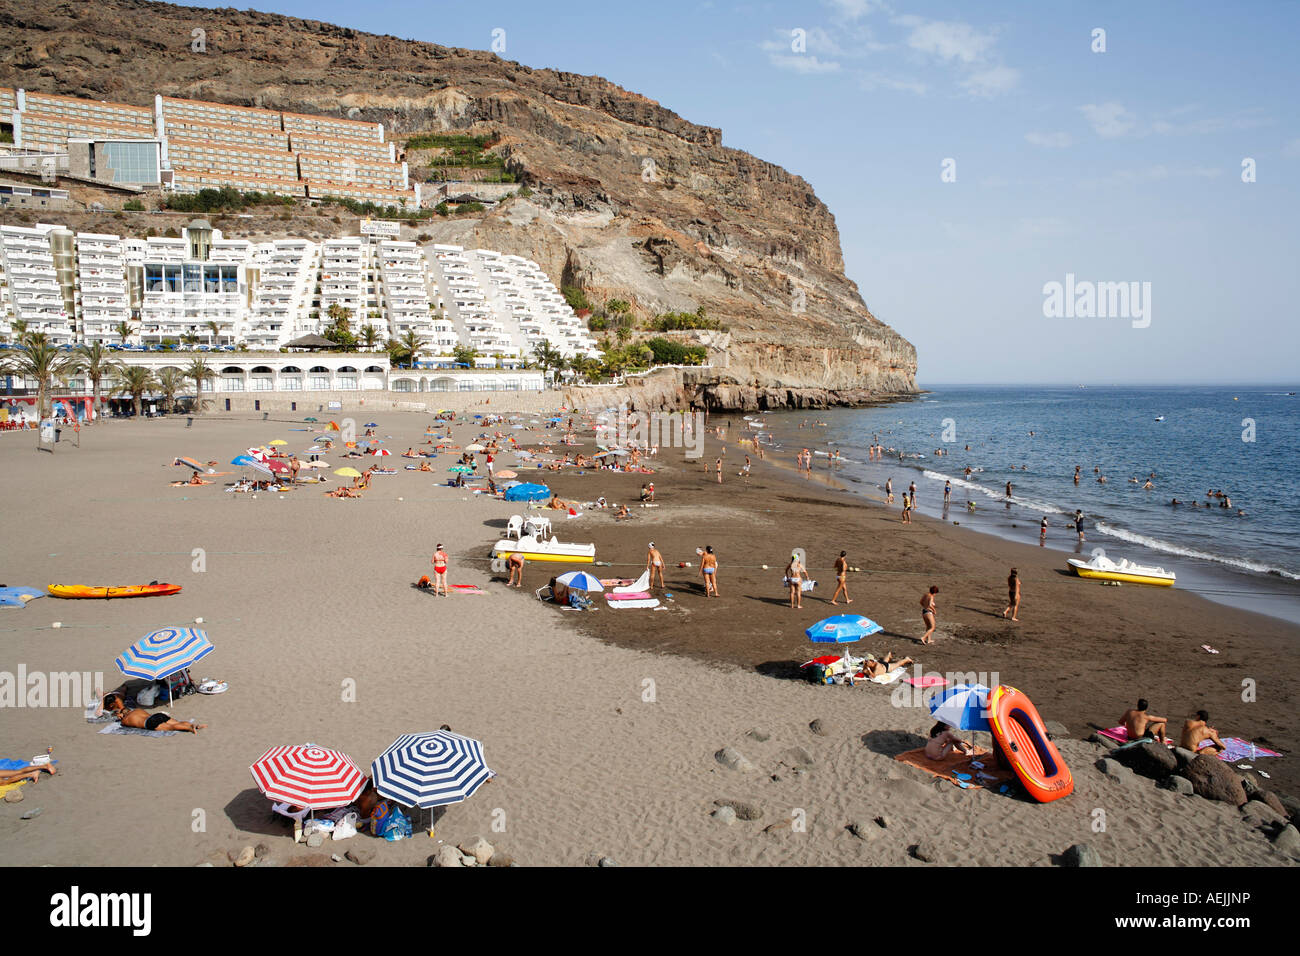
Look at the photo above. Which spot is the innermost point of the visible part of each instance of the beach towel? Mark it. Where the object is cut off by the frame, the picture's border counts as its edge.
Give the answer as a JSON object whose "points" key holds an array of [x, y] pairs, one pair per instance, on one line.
{"points": [[629, 587], [1236, 748], [116, 728], [467, 589], [622, 605], [928, 680], [974, 778], [628, 596], [888, 677], [804, 584]]}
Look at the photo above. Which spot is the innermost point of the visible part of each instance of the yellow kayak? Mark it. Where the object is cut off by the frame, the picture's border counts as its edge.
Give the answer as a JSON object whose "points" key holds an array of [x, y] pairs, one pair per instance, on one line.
{"points": [[97, 591]]}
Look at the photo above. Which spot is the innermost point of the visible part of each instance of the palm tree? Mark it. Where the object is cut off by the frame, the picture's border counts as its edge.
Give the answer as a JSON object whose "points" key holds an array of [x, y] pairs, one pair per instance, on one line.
{"points": [[135, 381], [464, 355], [123, 330], [214, 331], [20, 330], [548, 357], [407, 349], [369, 337], [171, 381], [190, 339], [96, 362], [198, 372], [42, 362]]}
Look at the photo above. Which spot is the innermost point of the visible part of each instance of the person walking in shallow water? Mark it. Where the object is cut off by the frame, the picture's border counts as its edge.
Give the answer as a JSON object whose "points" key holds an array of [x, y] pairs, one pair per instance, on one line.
{"points": [[1013, 596]]}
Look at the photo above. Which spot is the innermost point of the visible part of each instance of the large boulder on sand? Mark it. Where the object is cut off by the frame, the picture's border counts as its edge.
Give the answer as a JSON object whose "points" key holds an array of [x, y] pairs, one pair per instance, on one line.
{"points": [[1215, 780], [1147, 759]]}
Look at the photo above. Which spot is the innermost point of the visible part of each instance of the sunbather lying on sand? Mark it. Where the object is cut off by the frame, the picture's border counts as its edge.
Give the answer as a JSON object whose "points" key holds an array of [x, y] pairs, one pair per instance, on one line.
{"points": [[31, 772], [425, 466], [342, 492], [884, 666], [145, 720], [943, 742], [194, 480]]}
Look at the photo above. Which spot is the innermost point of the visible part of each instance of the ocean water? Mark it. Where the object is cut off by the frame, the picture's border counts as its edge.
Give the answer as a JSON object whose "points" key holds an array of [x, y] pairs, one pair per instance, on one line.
{"points": [[1244, 441]]}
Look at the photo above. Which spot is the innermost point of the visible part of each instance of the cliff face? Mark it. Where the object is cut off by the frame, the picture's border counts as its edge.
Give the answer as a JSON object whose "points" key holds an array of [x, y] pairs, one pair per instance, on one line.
{"points": [[629, 199]]}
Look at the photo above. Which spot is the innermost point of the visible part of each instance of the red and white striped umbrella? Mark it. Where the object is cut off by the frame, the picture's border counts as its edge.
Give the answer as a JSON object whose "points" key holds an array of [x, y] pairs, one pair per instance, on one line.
{"points": [[381, 452], [305, 775]]}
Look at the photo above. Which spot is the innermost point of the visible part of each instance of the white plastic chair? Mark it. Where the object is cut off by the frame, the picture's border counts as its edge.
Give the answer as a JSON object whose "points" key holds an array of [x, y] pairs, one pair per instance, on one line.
{"points": [[539, 526], [515, 526]]}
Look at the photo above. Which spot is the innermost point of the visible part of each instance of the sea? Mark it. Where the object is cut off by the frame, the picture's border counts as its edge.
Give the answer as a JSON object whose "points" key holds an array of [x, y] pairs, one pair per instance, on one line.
{"points": [[1242, 441]]}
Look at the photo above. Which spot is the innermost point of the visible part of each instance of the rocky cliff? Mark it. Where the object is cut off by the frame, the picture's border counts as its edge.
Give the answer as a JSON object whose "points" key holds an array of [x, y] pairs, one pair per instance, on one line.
{"points": [[629, 200]]}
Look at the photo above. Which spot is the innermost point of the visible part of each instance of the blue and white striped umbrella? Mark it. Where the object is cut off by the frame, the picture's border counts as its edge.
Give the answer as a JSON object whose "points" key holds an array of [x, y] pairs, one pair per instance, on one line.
{"points": [[164, 652], [962, 707], [580, 581], [430, 770]]}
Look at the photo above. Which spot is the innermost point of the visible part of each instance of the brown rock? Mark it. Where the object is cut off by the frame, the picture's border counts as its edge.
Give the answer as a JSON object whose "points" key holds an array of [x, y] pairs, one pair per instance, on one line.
{"points": [[1213, 779]]}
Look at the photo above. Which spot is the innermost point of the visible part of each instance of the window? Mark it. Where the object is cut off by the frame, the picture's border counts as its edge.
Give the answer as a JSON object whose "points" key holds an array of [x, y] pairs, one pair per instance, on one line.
{"points": [[403, 385], [231, 384], [347, 383], [319, 383], [262, 384], [131, 162], [291, 384]]}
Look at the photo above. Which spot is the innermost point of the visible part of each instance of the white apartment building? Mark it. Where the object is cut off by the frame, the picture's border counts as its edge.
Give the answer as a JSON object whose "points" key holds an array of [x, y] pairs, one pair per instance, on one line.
{"points": [[209, 290]]}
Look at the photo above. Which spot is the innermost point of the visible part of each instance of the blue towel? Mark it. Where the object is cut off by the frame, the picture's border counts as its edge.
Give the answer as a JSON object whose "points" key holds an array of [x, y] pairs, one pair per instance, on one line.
{"points": [[9, 764]]}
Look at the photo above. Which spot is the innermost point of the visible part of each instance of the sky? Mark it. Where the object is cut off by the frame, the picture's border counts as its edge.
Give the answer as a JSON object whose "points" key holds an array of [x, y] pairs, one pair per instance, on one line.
{"points": [[973, 155]]}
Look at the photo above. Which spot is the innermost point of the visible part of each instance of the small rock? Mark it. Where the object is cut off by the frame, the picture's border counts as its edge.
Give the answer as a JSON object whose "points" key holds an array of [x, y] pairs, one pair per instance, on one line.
{"points": [[246, 856], [725, 814], [1213, 779], [32, 813], [606, 861], [777, 827], [447, 855], [14, 796], [261, 850], [798, 758], [733, 759], [204, 863], [1180, 785], [219, 858], [336, 858], [744, 811], [478, 848], [761, 734], [1271, 799], [1055, 728], [1104, 741], [1114, 769], [926, 852], [315, 838], [882, 821], [863, 830], [1148, 759], [1183, 756], [360, 856], [1260, 815], [502, 859], [1288, 841], [1249, 783], [1081, 854], [822, 728]]}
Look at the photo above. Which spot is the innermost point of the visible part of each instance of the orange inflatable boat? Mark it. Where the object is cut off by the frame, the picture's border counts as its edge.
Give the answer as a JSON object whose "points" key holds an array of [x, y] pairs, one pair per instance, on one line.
{"points": [[1020, 733], [96, 591]]}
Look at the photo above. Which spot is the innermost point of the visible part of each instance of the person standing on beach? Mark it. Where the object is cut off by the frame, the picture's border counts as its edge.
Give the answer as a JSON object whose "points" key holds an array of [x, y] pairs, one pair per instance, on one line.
{"points": [[709, 571], [439, 562], [947, 493], [841, 578], [654, 562], [1008, 490], [718, 467], [745, 471], [515, 564], [794, 572], [889, 491], [907, 508], [1013, 596], [1042, 530], [1078, 522], [911, 489], [929, 614]]}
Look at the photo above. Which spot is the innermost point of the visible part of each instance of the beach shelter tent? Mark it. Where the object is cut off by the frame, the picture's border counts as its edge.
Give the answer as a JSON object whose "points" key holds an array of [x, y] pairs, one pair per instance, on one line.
{"points": [[528, 492], [306, 775], [163, 653], [430, 770]]}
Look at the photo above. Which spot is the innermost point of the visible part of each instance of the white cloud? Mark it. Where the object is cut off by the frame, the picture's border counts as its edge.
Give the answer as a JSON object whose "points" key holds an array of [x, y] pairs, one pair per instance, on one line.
{"points": [[990, 82], [1049, 140], [1109, 120], [949, 41], [806, 63]]}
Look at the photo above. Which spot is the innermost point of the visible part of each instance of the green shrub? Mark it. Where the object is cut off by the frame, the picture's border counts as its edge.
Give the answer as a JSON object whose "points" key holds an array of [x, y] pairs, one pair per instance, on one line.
{"points": [[668, 352], [133, 205]]}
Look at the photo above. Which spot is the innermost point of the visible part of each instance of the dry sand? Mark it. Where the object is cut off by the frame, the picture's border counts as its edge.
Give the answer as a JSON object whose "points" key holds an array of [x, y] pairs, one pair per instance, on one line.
{"points": [[599, 748]]}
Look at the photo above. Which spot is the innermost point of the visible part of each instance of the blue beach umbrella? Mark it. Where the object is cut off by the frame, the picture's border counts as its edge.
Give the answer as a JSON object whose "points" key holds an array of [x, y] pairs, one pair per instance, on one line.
{"points": [[19, 596], [164, 652], [842, 629], [528, 492], [244, 461], [580, 581], [962, 707], [430, 770]]}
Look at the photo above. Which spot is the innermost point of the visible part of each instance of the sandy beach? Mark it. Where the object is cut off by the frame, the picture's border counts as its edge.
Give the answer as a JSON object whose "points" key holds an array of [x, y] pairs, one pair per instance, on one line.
{"points": [[602, 727]]}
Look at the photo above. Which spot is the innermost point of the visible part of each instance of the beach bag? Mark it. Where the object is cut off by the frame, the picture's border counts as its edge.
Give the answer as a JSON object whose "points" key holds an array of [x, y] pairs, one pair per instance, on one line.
{"points": [[394, 825], [147, 696], [347, 827]]}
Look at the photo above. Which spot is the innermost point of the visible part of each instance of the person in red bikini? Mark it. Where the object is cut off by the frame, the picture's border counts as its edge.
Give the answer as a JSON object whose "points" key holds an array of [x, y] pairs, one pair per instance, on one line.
{"points": [[439, 563]]}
